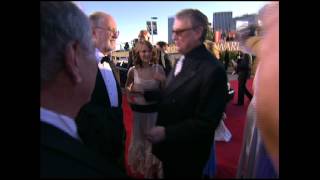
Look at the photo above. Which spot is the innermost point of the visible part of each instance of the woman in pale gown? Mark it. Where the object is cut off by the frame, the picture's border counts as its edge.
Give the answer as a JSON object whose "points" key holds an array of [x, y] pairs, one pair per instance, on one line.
{"points": [[144, 82]]}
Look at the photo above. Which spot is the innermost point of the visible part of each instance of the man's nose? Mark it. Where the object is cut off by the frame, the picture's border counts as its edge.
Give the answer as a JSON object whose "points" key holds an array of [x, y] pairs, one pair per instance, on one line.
{"points": [[115, 36], [174, 36]]}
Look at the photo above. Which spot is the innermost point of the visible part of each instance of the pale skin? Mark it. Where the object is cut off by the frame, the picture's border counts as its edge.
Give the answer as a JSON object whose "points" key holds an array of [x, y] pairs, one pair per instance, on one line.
{"points": [[268, 83], [104, 34]]}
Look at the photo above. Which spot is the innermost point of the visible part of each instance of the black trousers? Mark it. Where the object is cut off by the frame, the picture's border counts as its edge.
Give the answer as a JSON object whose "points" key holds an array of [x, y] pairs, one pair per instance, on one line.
{"points": [[242, 89], [226, 64], [182, 170]]}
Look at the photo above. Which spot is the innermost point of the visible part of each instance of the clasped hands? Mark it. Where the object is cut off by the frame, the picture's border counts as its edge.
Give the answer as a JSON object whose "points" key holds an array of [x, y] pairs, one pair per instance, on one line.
{"points": [[156, 134], [159, 77]]}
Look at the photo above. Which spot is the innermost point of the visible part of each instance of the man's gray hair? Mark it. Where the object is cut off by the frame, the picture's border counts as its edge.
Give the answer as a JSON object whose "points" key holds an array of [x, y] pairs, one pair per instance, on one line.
{"points": [[197, 18], [61, 23], [97, 18]]}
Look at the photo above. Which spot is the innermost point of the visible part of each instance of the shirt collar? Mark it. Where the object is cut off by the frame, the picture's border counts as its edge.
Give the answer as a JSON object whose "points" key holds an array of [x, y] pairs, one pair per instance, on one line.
{"points": [[99, 55], [60, 121], [198, 50]]}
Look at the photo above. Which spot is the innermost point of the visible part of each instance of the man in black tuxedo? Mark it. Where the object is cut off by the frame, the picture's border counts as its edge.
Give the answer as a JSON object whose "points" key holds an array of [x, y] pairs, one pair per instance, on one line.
{"points": [[100, 121], [163, 57], [132, 54], [67, 77], [192, 102], [226, 60], [243, 70]]}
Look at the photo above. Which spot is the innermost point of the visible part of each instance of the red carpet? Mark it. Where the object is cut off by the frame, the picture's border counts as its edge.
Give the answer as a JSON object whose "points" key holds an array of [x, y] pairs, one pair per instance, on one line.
{"points": [[227, 152]]}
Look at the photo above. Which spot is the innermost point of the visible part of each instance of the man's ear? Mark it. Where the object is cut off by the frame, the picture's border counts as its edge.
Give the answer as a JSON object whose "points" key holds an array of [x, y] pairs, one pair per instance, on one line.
{"points": [[72, 61], [199, 32], [94, 35]]}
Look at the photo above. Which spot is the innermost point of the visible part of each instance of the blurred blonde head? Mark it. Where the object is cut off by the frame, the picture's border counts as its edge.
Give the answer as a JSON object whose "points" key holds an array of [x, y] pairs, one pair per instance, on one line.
{"points": [[144, 35], [213, 48], [268, 81]]}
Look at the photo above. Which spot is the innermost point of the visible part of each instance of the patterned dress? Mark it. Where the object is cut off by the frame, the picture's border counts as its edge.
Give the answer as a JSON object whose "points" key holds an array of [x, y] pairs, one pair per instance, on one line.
{"points": [[140, 157]]}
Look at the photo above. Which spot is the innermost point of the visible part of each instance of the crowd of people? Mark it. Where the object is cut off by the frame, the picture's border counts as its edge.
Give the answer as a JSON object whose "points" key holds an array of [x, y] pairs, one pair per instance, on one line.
{"points": [[177, 105]]}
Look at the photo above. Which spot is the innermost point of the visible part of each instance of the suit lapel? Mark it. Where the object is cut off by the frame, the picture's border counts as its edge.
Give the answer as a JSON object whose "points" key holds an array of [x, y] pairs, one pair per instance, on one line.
{"points": [[116, 75], [171, 74], [115, 71], [100, 92], [170, 77], [189, 69], [119, 94]]}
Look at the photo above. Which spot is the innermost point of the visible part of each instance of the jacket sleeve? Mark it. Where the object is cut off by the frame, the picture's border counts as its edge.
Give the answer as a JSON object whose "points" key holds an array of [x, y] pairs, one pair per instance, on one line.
{"points": [[209, 108], [243, 65]]}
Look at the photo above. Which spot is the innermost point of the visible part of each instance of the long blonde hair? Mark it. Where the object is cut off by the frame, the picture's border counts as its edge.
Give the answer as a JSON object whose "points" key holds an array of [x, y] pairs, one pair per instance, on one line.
{"points": [[139, 46], [212, 47]]}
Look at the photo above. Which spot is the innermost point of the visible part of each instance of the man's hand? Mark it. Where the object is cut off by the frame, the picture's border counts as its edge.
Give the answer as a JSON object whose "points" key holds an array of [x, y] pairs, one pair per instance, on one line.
{"points": [[159, 77], [156, 134]]}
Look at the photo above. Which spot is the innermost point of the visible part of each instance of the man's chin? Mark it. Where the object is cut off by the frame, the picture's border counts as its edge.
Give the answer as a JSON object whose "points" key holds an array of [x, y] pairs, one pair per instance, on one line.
{"points": [[179, 50], [112, 48]]}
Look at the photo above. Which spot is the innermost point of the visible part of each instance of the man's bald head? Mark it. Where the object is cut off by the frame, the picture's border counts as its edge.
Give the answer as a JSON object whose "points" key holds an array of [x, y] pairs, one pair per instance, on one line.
{"points": [[105, 31]]}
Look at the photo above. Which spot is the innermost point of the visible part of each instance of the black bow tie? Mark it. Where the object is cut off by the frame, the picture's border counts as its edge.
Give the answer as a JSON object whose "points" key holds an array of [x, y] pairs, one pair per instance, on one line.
{"points": [[105, 59]]}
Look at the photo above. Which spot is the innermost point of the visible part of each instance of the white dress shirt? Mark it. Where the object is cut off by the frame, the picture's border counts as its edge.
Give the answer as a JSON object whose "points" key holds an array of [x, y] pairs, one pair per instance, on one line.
{"points": [[62, 122], [108, 78], [163, 60], [178, 66]]}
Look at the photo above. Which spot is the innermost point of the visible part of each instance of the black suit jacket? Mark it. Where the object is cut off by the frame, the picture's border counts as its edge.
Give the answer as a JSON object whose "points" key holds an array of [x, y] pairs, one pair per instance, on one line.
{"points": [[131, 58], [243, 68], [63, 156], [115, 70], [167, 63], [191, 109], [100, 126]]}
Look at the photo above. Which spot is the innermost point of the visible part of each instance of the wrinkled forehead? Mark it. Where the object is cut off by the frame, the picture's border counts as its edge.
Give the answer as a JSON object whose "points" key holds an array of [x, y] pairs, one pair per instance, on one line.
{"points": [[109, 22]]}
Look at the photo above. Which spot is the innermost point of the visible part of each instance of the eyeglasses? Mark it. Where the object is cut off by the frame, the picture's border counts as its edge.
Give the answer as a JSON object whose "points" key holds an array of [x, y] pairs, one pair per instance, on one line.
{"points": [[148, 51], [178, 32], [114, 32]]}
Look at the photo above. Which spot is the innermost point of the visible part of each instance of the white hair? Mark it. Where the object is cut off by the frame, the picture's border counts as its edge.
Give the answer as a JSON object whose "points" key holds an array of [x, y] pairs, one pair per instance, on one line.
{"points": [[61, 23]]}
